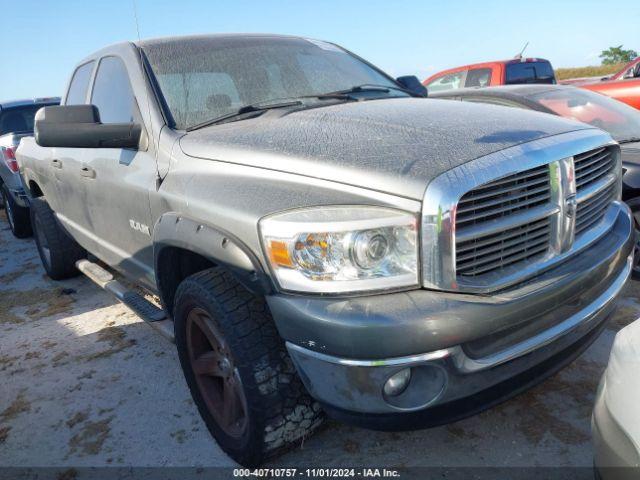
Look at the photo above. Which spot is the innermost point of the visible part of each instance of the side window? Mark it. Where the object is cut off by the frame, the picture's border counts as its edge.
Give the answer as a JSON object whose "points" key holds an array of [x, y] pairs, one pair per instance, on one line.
{"points": [[446, 82], [478, 77], [112, 92], [77, 92]]}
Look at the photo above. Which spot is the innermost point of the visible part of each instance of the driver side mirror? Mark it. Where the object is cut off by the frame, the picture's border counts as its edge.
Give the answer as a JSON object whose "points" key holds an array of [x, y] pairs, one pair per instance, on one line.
{"points": [[79, 126], [411, 83], [636, 70]]}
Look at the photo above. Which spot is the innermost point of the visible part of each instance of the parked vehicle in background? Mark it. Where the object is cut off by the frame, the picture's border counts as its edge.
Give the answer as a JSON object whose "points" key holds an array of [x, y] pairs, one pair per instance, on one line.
{"points": [[620, 120], [623, 85], [324, 237], [627, 91], [503, 72], [630, 70], [615, 422], [16, 122]]}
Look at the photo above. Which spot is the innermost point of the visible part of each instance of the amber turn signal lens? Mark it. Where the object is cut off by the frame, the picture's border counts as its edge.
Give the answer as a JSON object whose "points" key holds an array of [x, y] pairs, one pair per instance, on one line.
{"points": [[279, 253]]}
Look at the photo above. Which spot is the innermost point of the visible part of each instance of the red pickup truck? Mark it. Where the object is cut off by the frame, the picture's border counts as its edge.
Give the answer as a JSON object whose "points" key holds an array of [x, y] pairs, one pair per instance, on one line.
{"points": [[630, 70], [502, 72]]}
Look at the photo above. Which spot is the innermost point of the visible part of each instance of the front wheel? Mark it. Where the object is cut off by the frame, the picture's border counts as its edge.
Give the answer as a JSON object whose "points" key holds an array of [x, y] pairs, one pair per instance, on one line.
{"points": [[17, 216], [238, 370]]}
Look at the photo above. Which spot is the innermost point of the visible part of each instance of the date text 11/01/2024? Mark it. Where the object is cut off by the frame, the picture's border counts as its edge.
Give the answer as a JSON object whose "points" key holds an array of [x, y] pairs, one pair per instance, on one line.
{"points": [[317, 472]]}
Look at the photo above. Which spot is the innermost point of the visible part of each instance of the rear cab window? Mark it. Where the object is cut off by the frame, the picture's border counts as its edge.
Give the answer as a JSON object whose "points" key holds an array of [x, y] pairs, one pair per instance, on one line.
{"points": [[529, 72], [77, 93]]}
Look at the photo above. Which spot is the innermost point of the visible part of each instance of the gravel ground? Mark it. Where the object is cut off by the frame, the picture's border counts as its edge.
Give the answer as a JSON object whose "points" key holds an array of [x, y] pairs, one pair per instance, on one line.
{"points": [[84, 382]]}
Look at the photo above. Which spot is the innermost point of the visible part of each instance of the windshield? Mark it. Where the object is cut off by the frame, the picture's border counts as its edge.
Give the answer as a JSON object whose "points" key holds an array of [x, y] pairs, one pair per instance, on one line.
{"points": [[620, 120], [202, 78]]}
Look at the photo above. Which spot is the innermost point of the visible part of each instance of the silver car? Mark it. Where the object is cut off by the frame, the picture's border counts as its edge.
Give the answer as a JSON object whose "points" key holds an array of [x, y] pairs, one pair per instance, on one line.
{"points": [[616, 415], [16, 122]]}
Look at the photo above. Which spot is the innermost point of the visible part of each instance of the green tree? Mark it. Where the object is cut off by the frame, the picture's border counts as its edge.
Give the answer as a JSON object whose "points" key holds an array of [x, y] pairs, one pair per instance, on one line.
{"points": [[614, 55]]}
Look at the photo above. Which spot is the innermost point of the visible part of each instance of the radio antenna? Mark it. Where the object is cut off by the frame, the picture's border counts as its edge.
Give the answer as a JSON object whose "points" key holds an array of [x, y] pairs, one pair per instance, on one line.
{"points": [[518, 56], [148, 92], [135, 18]]}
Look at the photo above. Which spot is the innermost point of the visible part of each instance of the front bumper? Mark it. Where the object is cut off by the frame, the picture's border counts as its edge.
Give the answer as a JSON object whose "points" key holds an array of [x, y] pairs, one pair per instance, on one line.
{"points": [[346, 349]]}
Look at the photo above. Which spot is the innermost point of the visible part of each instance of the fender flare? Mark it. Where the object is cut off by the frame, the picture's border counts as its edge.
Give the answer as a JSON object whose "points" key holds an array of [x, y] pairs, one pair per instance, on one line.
{"points": [[213, 243]]}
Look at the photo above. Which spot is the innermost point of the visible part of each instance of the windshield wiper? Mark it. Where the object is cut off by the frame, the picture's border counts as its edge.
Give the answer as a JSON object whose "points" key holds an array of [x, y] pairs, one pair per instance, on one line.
{"points": [[256, 107], [629, 140], [365, 87]]}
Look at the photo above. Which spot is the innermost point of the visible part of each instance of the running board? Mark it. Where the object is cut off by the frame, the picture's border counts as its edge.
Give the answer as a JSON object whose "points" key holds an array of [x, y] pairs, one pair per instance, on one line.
{"points": [[150, 313]]}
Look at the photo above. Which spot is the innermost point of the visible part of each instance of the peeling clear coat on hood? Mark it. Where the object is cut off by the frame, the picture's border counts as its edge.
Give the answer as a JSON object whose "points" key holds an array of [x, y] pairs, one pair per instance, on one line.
{"points": [[391, 145]]}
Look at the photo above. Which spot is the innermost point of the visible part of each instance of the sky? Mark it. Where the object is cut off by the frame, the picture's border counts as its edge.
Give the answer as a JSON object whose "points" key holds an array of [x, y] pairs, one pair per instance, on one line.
{"points": [[41, 41]]}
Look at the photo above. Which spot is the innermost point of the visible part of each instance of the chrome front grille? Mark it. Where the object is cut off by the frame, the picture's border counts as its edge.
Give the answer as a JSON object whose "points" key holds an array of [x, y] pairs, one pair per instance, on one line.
{"points": [[591, 167], [504, 197], [493, 231], [512, 221], [592, 211], [505, 217], [481, 250], [595, 186], [493, 252]]}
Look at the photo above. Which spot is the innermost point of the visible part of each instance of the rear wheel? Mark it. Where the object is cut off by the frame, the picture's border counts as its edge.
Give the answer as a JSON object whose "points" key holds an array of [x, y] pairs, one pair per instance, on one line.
{"points": [[238, 370], [18, 217], [58, 251]]}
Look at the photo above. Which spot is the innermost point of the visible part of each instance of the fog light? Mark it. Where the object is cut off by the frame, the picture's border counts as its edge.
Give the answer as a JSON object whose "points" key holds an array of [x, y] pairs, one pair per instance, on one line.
{"points": [[397, 383]]}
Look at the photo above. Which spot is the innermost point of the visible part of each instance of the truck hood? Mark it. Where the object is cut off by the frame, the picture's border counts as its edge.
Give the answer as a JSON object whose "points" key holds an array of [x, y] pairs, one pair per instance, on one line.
{"points": [[393, 145]]}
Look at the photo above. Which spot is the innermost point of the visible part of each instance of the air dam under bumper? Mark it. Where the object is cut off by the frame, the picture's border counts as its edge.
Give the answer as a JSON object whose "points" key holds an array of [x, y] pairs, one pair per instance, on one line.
{"points": [[346, 349]]}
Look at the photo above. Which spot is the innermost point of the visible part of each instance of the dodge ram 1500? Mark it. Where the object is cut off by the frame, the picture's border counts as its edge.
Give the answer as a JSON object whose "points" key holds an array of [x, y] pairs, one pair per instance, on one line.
{"points": [[323, 238]]}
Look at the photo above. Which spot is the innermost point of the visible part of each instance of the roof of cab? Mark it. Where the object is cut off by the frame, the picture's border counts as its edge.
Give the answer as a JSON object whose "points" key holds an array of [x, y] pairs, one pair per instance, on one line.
{"points": [[163, 42], [213, 36]]}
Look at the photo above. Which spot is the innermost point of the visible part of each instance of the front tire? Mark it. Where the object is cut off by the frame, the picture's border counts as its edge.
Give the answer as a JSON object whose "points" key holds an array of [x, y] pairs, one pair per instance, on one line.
{"points": [[58, 251], [238, 370], [17, 216]]}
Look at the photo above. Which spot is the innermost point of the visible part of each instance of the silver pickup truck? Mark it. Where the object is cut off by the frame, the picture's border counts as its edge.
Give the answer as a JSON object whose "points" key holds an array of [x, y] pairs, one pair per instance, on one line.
{"points": [[323, 238]]}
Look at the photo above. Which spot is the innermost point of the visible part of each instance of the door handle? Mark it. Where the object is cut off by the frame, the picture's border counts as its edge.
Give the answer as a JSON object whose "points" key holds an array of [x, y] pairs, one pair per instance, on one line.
{"points": [[87, 172], [55, 163]]}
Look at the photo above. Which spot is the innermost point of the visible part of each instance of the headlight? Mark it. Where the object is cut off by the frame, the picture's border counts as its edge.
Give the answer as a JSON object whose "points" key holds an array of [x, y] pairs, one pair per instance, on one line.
{"points": [[342, 249]]}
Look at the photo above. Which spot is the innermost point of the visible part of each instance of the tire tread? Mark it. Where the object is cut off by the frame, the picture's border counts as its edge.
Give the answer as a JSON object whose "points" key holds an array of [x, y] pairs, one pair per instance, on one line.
{"points": [[275, 394]]}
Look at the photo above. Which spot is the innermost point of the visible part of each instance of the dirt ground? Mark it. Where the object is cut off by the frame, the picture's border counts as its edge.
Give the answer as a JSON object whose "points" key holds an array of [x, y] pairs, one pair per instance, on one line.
{"points": [[84, 382]]}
